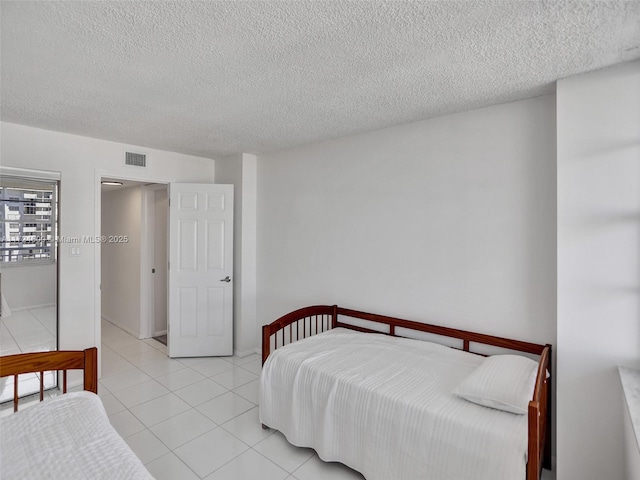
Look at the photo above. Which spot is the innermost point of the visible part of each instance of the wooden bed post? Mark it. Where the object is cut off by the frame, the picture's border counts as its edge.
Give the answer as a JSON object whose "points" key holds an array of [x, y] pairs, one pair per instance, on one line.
{"points": [[533, 465], [334, 316], [266, 342], [547, 442], [540, 419], [91, 369]]}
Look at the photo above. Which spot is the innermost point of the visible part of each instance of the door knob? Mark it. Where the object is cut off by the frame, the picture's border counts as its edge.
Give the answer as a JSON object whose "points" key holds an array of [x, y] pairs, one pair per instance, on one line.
{"points": [[226, 279]]}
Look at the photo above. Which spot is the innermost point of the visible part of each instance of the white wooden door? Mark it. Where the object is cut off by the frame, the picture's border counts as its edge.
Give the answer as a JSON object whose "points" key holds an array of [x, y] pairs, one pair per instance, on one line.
{"points": [[200, 309]]}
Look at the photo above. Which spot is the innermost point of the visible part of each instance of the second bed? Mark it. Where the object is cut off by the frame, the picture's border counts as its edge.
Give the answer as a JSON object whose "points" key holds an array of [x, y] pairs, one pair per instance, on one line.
{"points": [[399, 408]]}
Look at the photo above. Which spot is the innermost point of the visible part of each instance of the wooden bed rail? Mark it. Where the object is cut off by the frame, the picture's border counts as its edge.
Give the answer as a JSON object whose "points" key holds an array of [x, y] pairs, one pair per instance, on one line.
{"points": [[308, 321], [40, 362], [301, 324], [466, 336]]}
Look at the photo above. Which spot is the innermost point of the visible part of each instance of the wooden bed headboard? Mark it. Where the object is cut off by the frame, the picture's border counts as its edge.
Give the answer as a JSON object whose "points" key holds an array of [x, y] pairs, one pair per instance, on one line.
{"points": [[308, 321], [40, 362]]}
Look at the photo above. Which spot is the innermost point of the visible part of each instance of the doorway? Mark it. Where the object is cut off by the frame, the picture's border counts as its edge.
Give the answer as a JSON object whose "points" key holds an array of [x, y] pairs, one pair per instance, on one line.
{"points": [[133, 233], [200, 252]]}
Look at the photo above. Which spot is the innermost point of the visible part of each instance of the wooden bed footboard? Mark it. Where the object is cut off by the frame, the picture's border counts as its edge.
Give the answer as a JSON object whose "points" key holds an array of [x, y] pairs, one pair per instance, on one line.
{"points": [[40, 362], [308, 321]]}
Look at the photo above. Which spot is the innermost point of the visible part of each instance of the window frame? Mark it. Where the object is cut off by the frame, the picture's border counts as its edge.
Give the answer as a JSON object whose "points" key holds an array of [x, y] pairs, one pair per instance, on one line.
{"points": [[49, 245]]}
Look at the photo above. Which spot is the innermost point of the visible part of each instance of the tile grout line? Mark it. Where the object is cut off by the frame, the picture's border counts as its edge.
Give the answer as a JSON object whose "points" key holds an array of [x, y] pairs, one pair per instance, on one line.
{"points": [[192, 407]]}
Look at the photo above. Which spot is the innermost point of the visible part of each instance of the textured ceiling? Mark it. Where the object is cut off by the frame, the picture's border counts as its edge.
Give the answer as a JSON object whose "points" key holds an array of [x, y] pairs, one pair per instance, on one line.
{"points": [[220, 77]]}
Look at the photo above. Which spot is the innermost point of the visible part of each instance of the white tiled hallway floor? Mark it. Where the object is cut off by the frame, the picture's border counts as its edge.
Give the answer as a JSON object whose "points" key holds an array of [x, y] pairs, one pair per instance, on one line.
{"points": [[197, 418]]}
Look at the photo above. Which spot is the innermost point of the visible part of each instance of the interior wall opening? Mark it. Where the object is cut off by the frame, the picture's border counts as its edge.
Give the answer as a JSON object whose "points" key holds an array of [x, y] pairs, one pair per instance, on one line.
{"points": [[133, 233]]}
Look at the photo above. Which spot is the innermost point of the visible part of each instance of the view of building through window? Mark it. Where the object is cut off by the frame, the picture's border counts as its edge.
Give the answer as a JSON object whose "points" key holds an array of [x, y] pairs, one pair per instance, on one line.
{"points": [[27, 222]]}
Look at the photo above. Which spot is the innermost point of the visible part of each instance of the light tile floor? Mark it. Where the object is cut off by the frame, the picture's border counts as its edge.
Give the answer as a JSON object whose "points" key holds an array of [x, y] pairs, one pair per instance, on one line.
{"points": [[32, 330], [197, 418]]}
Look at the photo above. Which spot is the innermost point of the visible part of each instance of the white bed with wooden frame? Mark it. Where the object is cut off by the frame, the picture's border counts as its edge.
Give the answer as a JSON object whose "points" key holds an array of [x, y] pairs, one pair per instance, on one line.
{"points": [[68, 436], [385, 405]]}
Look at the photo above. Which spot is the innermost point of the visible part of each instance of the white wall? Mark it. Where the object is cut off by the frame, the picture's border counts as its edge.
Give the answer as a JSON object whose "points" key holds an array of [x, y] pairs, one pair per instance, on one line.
{"points": [[80, 160], [598, 265], [248, 338], [241, 171], [28, 286], [122, 216], [229, 171], [450, 221]]}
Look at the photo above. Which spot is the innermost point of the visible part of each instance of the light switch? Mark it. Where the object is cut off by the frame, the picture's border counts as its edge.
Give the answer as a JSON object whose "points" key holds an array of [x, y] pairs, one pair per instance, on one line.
{"points": [[74, 251]]}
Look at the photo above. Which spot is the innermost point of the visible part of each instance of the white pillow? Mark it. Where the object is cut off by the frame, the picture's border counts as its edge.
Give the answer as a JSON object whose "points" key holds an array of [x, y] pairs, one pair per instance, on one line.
{"points": [[504, 382]]}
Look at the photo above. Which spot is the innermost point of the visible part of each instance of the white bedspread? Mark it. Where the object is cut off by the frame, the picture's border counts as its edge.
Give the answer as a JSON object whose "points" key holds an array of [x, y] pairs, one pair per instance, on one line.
{"points": [[383, 406], [67, 437]]}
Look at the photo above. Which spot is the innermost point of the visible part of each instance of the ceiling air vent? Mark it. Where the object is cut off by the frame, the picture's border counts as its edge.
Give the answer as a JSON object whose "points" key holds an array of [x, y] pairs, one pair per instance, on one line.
{"points": [[135, 159]]}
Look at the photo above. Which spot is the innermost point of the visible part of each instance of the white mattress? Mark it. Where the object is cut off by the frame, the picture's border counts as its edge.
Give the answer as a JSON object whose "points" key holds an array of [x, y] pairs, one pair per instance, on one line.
{"points": [[67, 437], [383, 406]]}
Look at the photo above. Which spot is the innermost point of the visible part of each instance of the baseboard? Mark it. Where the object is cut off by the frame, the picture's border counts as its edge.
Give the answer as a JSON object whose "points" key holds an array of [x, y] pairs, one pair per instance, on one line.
{"points": [[243, 353], [32, 307], [123, 327], [161, 332], [5, 311]]}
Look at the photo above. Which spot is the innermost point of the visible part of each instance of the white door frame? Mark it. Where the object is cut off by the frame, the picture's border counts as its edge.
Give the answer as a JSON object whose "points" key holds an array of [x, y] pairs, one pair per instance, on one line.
{"points": [[147, 322]]}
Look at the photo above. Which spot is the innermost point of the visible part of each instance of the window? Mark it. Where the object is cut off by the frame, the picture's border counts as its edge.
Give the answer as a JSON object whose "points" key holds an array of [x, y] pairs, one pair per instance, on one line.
{"points": [[28, 217]]}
